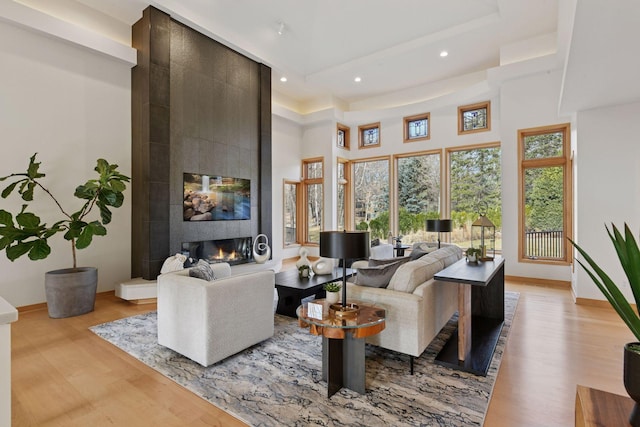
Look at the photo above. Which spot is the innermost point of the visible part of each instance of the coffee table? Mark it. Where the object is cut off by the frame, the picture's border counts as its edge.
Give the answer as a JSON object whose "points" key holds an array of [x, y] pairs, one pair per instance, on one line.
{"points": [[292, 289], [343, 342]]}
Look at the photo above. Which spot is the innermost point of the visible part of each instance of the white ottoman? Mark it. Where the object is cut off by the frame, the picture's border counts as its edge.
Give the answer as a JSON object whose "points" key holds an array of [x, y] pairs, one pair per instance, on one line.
{"points": [[138, 291]]}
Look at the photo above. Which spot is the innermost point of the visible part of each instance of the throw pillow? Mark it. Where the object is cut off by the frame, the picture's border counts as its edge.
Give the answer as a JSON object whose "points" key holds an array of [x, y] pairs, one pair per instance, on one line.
{"points": [[375, 262], [375, 242], [378, 276], [202, 270]]}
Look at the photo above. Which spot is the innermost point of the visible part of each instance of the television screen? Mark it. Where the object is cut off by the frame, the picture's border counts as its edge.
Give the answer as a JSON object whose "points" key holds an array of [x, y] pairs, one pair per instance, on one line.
{"points": [[216, 198]]}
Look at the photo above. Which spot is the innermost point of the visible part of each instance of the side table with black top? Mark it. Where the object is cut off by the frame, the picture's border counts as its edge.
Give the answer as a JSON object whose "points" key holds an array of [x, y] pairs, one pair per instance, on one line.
{"points": [[480, 314], [292, 289], [399, 249], [343, 342]]}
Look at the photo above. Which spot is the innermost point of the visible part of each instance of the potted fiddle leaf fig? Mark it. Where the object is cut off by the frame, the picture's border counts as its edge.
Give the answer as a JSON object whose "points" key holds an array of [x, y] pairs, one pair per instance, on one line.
{"points": [[69, 291], [628, 253]]}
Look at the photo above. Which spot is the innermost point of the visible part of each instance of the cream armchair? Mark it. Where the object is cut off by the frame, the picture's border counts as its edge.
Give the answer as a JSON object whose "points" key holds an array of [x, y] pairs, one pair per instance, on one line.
{"points": [[209, 321]]}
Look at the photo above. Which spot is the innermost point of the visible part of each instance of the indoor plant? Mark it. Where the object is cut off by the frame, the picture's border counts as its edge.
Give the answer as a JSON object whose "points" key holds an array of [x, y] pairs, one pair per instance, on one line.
{"points": [[303, 270], [70, 291], [332, 290], [628, 253], [474, 254]]}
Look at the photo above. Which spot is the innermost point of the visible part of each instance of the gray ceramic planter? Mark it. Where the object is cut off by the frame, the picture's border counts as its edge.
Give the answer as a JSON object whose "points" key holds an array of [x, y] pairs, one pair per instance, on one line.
{"points": [[71, 292]]}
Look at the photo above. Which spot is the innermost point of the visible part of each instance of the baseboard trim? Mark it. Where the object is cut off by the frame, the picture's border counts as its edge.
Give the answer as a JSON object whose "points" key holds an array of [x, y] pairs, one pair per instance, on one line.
{"points": [[43, 305], [589, 302], [563, 284]]}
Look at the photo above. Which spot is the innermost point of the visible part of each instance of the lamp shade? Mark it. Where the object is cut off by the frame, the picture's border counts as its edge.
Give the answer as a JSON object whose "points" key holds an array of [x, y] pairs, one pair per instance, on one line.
{"points": [[344, 244], [439, 225]]}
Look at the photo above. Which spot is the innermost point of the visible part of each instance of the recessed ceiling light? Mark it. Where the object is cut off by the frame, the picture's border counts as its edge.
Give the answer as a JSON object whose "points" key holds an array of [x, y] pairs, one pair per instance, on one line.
{"points": [[357, 80], [283, 79], [444, 53]]}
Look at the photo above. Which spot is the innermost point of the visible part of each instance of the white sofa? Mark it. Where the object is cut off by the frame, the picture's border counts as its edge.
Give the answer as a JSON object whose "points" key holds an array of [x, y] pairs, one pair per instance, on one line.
{"points": [[417, 306], [209, 321]]}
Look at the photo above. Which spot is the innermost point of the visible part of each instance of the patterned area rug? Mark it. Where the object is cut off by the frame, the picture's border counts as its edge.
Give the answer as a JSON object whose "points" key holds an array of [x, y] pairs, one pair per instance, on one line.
{"points": [[278, 382]]}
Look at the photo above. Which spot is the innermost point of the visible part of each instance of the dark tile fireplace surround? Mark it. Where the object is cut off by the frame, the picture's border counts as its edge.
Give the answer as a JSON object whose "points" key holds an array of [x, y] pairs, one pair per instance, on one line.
{"points": [[234, 251], [198, 107]]}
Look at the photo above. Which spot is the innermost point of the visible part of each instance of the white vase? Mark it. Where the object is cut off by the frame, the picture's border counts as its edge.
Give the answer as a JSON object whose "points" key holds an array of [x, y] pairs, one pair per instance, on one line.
{"points": [[333, 297], [261, 251]]}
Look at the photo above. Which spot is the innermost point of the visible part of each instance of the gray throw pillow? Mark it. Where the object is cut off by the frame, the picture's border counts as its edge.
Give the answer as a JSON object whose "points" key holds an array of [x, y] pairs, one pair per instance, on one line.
{"points": [[378, 276], [202, 270], [375, 262]]}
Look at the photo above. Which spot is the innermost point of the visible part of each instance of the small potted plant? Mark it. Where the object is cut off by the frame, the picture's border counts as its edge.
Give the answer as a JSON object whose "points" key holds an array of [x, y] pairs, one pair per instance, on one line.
{"points": [[333, 291], [473, 254], [303, 271]]}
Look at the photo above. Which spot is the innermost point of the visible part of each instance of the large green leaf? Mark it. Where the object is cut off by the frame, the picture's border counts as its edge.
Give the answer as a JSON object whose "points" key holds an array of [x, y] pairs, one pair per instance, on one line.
{"points": [[28, 220], [39, 250], [6, 218], [32, 170], [105, 213], [9, 189], [16, 251]]}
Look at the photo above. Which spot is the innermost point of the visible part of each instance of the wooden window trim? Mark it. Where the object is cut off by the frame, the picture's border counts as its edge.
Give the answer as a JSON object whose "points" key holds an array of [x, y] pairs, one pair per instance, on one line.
{"points": [[363, 128], [464, 108], [306, 181], [348, 221], [347, 136], [408, 119], [299, 206], [564, 161]]}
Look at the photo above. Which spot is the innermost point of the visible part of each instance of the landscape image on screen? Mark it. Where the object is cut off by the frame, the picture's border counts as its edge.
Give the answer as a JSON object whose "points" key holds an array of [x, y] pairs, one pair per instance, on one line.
{"points": [[216, 198]]}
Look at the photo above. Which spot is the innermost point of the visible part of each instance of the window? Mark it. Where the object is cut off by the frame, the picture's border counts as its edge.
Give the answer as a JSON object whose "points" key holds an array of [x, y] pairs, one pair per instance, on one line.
{"points": [[369, 135], [545, 194], [371, 196], [313, 198], [416, 128], [474, 118], [290, 212], [418, 194], [474, 189], [343, 136], [343, 194]]}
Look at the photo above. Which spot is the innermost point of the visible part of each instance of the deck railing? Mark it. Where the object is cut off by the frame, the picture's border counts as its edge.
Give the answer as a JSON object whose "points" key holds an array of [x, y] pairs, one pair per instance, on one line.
{"points": [[544, 244]]}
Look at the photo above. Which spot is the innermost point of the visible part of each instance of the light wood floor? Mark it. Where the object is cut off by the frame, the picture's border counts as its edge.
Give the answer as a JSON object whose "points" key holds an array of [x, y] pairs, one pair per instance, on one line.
{"points": [[64, 375]]}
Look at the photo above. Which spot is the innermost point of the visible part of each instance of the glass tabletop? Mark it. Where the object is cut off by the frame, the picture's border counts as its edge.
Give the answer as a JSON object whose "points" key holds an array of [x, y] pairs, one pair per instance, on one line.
{"points": [[368, 315]]}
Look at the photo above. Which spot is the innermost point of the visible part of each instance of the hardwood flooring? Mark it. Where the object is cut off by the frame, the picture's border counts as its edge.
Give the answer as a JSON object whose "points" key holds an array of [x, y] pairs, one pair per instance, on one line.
{"points": [[64, 375]]}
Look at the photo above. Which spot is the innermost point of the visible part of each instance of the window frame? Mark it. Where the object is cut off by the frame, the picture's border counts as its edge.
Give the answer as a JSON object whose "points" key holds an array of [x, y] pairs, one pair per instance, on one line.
{"points": [[391, 192], [407, 120], [563, 161], [347, 136], [348, 221], [306, 182], [364, 128], [298, 186], [477, 106]]}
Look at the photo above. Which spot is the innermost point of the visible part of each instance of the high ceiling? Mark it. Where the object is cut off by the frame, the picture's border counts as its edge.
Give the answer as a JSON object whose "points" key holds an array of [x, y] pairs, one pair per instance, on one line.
{"points": [[325, 44]]}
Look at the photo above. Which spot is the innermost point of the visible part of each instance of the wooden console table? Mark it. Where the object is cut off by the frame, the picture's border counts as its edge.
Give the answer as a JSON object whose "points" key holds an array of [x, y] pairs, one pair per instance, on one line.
{"points": [[600, 408], [480, 314]]}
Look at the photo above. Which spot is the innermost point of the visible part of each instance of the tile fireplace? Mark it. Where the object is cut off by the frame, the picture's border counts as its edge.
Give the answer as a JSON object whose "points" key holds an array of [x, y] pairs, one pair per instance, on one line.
{"points": [[234, 251]]}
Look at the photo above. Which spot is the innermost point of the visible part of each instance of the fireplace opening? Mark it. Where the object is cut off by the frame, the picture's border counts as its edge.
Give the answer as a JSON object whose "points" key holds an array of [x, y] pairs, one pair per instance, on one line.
{"points": [[233, 251]]}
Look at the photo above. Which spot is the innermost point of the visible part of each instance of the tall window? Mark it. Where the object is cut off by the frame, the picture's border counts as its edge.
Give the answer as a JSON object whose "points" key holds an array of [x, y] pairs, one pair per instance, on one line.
{"points": [[290, 213], [313, 178], [545, 199], [343, 193], [474, 179], [418, 194], [371, 196]]}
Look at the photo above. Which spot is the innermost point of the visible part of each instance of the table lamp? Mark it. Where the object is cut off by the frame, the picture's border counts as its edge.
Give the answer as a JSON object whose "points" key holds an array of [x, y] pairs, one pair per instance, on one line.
{"points": [[344, 245], [439, 226]]}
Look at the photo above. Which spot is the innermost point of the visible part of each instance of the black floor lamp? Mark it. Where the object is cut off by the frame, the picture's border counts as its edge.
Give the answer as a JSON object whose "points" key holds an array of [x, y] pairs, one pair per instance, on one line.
{"points": [[439, 226], [344, 245]]}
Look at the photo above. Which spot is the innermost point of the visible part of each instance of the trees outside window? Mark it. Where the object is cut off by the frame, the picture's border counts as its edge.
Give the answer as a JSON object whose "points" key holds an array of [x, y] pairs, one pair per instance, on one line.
{"points": [[371, 196], [545, 194], [474, 189], [313, 170], [290, 213], [418, 194]]}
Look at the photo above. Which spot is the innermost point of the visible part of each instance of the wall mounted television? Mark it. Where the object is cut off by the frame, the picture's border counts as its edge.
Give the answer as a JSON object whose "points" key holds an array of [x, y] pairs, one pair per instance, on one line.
{"points": [[215, 198]]}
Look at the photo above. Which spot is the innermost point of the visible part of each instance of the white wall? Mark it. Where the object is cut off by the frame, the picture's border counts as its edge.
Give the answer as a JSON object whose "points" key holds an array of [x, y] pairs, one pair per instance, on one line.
{"points": [[608, 187], [527, 102], [72, 106], [287, 149]]}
